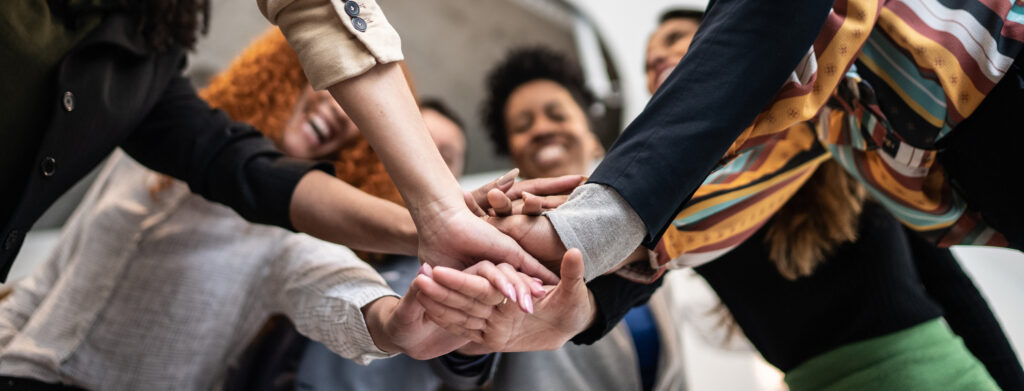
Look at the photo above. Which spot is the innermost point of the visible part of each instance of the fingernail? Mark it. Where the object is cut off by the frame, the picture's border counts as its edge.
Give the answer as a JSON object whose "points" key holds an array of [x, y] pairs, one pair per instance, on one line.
{"points": [[528, 303], [510, 292], [539, 290], [538, 281], [508, 177], [427, 271]]}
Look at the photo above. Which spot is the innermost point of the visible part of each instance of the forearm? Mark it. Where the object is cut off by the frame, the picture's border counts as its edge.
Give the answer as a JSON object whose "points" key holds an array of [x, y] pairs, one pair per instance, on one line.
{"points": [[381, 104], [333, 210]]}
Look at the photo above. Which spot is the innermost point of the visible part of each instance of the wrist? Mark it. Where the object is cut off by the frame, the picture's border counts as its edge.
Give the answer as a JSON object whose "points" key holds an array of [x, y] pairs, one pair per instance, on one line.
{"points": [[591, 311], [377, 314]]}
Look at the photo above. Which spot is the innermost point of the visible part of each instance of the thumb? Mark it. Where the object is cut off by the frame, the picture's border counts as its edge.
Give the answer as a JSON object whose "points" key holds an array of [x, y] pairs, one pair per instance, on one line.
{"points": [[409, 309], [572, 267], [477, 198]]}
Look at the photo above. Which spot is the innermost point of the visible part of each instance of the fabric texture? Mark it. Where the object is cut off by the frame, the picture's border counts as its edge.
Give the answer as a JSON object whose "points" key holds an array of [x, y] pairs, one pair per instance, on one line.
{"points": [[123, 94], [878, 285], [329, 46], [927, 356], [590, 206], [138, 286]]}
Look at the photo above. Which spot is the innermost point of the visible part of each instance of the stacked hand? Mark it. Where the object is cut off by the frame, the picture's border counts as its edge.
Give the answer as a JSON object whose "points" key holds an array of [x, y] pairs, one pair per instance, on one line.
{"points": [[492, 307], [465, 304]]}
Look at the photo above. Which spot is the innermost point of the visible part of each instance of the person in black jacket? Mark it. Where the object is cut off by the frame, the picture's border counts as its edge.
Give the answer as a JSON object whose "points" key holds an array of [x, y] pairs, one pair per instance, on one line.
{"points": [[82, 78]]}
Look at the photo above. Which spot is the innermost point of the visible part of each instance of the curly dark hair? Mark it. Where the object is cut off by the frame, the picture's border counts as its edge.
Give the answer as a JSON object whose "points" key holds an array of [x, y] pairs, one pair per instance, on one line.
{"points": [[522, 66], [162, 23]]}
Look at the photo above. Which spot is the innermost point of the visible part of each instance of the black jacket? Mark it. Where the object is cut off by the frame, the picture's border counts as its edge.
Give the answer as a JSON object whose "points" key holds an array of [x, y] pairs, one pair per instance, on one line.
{"points": [[111, 90]]}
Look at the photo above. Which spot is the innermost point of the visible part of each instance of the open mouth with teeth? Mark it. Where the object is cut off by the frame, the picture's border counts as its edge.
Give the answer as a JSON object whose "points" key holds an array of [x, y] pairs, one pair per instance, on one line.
{"points": [[551, 152], [318, 129]]}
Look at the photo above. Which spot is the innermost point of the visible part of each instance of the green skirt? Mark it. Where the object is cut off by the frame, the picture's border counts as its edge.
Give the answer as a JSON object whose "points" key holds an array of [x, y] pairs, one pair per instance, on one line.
{"points": [[924, 357]]}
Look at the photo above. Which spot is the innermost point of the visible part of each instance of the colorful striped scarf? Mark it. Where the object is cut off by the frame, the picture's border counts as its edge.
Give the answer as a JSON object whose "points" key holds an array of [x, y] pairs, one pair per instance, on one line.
{"points": [[940, 57]]}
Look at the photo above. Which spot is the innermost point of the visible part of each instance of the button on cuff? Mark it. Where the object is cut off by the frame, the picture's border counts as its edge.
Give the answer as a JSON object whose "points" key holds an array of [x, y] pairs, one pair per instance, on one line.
{"points": [[352, 8], [359, 24]]}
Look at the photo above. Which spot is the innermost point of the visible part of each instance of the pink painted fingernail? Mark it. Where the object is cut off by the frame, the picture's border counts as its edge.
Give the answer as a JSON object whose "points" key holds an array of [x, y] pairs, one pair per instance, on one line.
{"points": [[538, 290], [528, 303], [427, 271], [510, 292]]}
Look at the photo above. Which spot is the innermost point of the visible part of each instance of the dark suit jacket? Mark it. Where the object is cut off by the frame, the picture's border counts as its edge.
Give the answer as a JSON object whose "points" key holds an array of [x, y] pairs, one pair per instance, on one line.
{"points": [[111, 90], [741, 55]]}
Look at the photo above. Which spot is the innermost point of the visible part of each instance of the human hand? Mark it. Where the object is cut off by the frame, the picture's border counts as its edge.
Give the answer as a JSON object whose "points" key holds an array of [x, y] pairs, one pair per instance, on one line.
{"points": [[535, 234], [401, 326], [565, 311], [540, 189]]}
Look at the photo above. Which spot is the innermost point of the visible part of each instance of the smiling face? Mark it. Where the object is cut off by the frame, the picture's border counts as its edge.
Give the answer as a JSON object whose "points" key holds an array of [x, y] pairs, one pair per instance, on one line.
{"points": [[448, 137], [548, 133], [667, 47], [317, 128]]}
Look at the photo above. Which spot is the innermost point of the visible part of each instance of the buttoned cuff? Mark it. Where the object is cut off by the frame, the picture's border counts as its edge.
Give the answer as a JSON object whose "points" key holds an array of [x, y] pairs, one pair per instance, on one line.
{"points": [[334, 42], [601, 224], [356, 328]]}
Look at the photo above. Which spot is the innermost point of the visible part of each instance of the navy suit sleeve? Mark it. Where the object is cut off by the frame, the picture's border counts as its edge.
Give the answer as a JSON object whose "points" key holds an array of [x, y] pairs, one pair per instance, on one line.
{"points": [[614, 297], [741, 55], [226, 162]]}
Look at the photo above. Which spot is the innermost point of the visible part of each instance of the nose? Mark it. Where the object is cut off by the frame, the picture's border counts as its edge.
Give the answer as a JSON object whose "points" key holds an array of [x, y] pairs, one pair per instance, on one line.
{"points": [[542, 128]]}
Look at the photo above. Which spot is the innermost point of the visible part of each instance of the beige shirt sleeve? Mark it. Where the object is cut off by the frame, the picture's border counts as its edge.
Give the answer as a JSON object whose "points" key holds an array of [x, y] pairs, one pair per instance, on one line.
{"points": [[330, 46], [322, 287]]}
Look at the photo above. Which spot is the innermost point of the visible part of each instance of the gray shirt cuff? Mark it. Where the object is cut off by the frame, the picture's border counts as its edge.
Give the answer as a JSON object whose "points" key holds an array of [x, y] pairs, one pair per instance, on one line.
{"points": [[601, 224]]}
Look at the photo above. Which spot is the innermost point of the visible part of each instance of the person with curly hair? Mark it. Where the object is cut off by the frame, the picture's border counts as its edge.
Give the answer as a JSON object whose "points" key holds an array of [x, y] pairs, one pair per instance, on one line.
{"points": [[828, 286], [113, 68], [154, 287]]}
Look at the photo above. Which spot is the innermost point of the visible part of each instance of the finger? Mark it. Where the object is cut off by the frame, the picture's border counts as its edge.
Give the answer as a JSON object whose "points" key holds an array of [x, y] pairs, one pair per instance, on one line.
{"points": [[499, 280], [546, 186], [572, 267], [503, 248], [522, 287], [409, 310], [554, 201], [454, 299], [503, 184], [472, 204], [501, 204], [446, 316], [532, 205], [477, 288]]}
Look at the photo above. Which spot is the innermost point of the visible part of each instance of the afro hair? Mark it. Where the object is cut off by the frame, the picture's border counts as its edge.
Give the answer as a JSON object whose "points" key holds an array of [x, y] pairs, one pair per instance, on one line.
{"points": [[522, 66]]}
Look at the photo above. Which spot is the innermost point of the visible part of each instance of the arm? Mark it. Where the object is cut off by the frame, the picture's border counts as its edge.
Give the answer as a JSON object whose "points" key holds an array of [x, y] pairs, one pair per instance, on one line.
{"points": [[353, 56], [233, 164], [337, 299], [742, 54], [966, 311]]}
